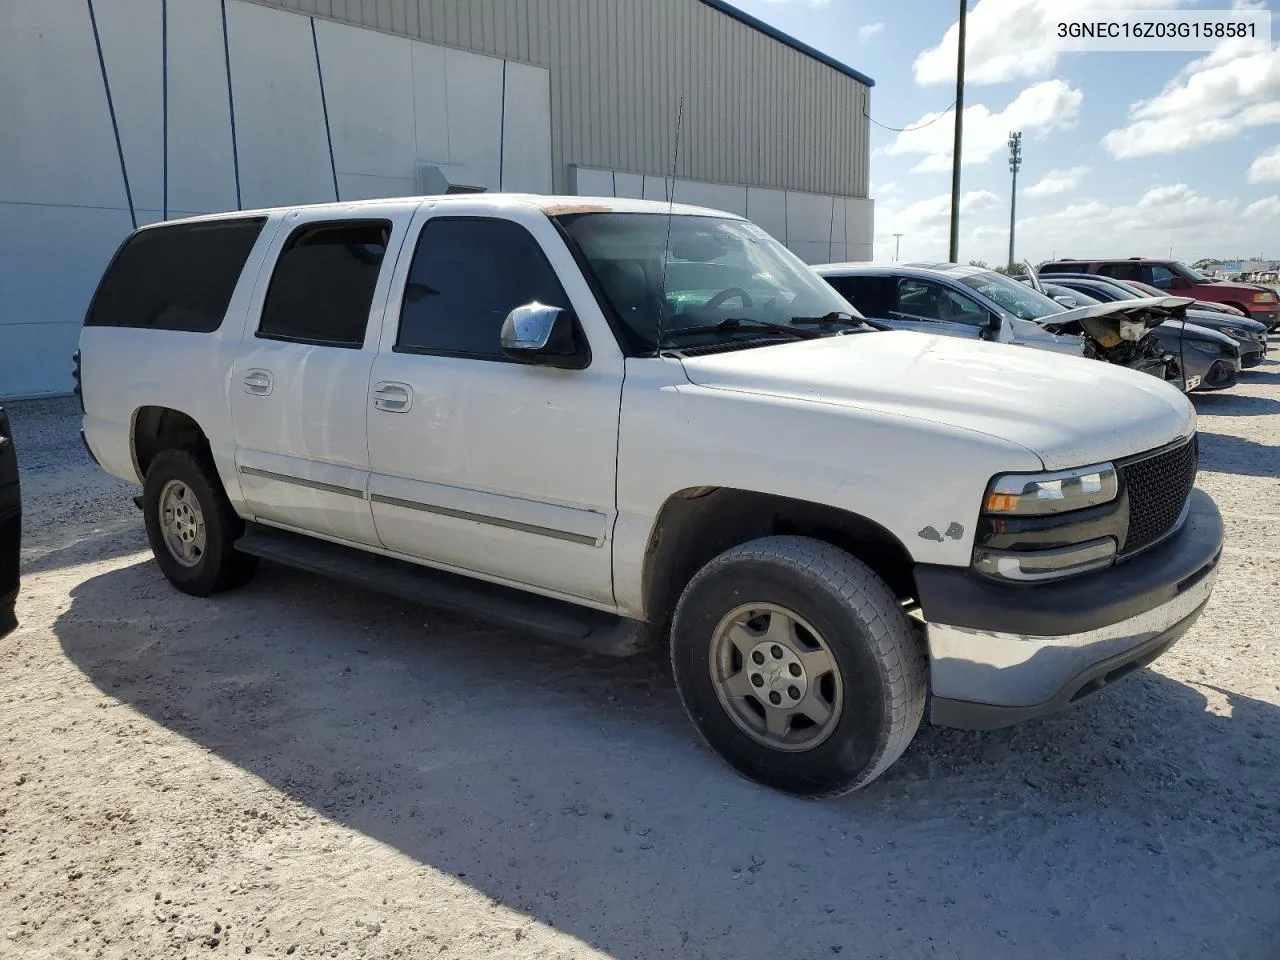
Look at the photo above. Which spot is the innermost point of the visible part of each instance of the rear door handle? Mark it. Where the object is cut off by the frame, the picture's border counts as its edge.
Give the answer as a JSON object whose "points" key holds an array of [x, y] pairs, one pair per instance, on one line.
{"points": [[258, 382], [392, 397]]}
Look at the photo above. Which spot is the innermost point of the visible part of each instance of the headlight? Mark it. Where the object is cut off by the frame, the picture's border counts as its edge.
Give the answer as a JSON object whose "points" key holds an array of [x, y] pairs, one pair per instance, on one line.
{"points": [[1031, 565], [1235, 334], [1263, 297], [1036, 494]]}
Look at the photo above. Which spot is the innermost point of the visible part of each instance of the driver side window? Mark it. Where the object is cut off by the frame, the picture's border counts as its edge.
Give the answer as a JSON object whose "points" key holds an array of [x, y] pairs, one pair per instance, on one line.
{"points": [[933, 301], [467, 274], [1161, 277]]}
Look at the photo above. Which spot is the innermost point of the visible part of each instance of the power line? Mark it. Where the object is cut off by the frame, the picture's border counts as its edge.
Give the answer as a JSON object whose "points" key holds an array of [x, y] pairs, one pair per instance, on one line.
{"points": [[919, 126]]}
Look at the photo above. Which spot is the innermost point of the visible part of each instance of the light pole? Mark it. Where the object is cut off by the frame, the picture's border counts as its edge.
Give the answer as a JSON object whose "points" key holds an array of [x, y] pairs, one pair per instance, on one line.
{"points": [[897, 245], [1015, 161], [954, 254]]}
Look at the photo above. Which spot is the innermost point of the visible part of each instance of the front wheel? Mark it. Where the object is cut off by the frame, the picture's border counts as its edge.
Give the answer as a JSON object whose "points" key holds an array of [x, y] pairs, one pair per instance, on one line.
{"points": [[797, 665]]}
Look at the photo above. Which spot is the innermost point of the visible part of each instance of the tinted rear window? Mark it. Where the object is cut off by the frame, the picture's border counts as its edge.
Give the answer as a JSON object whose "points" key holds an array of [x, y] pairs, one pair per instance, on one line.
{"points": [[177, 277]]}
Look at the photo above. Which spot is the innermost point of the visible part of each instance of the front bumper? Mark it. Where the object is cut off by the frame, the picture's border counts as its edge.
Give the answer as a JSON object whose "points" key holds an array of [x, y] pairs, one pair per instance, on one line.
{"points": [[1268, 315], [1222, 375], [1002, 654]]}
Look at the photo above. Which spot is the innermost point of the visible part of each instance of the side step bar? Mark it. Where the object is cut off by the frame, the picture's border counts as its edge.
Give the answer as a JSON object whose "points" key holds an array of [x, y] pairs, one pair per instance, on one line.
{"points": [[581, 627]]}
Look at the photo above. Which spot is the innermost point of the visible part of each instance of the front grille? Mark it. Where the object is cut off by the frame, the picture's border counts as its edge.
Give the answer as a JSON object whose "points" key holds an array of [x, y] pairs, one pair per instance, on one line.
{"points": [[1158, 488]]}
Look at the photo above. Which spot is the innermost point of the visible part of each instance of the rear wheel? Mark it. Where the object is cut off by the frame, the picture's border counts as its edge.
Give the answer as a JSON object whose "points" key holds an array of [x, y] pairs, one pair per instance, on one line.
{"points": [[191, 525], [795, 662]]}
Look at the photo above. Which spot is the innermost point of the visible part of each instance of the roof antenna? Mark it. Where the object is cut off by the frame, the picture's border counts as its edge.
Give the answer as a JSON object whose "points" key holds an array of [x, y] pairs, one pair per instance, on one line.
{"points": [[671, 202]]}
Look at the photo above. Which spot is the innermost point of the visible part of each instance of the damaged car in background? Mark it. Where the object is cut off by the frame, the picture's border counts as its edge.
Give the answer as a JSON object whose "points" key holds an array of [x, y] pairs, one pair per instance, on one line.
{"points": [[978, 303]]}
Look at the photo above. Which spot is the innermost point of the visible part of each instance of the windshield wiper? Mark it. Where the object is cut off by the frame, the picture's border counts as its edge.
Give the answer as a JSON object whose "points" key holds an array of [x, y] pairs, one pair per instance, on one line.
{"points": [[744, 323], [840, 316]]}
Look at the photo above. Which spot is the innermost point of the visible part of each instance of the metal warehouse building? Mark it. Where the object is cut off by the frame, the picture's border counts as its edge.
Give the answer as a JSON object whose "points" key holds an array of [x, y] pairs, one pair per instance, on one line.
{"points": [[122, 112]]}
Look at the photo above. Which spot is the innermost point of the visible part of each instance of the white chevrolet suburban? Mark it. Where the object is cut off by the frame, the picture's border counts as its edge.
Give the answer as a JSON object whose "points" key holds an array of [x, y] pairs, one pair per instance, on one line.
{"points": [[618, 423]]}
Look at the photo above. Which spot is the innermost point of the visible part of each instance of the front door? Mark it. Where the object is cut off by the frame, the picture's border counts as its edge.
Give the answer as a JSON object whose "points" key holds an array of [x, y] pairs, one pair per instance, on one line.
{"points": [[300, 381], [479, 463]]}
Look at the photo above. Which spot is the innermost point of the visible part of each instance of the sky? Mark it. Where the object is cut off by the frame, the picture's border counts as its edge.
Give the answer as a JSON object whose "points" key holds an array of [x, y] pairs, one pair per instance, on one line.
{"points": [[1124, 154]]}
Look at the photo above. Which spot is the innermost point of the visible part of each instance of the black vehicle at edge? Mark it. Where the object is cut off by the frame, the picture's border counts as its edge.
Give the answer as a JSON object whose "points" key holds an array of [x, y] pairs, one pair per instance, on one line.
{"points": [[10, 526]]}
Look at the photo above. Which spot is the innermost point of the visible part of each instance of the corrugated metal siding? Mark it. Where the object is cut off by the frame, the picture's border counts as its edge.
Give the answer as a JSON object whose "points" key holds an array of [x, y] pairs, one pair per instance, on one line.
{"points": [[756, 111]]}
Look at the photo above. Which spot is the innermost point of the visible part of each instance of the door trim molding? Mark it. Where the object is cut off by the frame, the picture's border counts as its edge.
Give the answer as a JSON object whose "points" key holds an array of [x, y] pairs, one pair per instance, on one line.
{"points": [[533, 528], [303, 482]]}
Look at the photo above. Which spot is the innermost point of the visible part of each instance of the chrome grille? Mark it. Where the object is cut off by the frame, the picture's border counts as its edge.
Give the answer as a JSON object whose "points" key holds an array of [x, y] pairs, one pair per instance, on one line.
{"points": [[1158, 487]]}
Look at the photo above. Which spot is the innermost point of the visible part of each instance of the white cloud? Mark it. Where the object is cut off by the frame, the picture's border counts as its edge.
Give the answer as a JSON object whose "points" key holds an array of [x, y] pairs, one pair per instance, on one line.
{"points": [[1215, 98], [1266, 169], [925, 224], [869, 30], [1009, 40], [1057, 181], [1049, 105], [1268, 208]]}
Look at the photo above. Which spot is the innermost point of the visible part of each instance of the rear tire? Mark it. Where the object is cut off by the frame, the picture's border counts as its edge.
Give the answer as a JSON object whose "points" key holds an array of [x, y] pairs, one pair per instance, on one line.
{"points": [[845, 669], [192, 526]]}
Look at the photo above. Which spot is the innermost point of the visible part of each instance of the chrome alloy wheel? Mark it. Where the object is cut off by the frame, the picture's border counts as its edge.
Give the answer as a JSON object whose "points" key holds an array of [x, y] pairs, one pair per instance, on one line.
{"points": [[776, 677], [182, 523]]}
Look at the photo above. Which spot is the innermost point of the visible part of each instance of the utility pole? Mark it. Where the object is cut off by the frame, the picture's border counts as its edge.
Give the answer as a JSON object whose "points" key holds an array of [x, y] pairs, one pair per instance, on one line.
{"points": [[897, 245], [954, 255], [1015, 161]]}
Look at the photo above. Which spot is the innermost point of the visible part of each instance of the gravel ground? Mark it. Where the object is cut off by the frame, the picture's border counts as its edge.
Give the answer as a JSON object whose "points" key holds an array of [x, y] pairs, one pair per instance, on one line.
{"points": [[300, 768]]}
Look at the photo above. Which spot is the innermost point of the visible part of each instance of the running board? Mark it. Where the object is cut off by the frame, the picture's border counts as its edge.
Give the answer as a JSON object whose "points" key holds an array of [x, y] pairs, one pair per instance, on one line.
{"points": [[581, 627]]}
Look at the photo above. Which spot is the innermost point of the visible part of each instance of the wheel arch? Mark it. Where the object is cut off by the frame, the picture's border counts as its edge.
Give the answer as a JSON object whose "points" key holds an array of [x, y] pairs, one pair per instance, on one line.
{"points": [[697, 524], [156, 428]]}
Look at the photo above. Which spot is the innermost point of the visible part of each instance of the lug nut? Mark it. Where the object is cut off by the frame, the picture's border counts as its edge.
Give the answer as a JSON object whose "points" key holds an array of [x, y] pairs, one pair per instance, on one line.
{"points": [[776, 651], [757, 680], [775, 698], [757, 657], [794, 669], [793, 693]]}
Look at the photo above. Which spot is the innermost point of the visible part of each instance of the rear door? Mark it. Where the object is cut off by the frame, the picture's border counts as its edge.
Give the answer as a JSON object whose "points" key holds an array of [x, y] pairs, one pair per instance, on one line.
{"points": [[300, 382], [10, 526]]}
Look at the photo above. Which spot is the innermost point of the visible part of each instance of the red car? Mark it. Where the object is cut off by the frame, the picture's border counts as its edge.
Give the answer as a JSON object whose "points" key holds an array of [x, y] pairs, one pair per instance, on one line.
{"points": [[1253, 300]]}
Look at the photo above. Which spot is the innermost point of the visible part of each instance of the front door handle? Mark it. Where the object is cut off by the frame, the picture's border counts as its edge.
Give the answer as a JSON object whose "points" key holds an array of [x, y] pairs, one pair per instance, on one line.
{"points": [[392, 397], [258, 382]]}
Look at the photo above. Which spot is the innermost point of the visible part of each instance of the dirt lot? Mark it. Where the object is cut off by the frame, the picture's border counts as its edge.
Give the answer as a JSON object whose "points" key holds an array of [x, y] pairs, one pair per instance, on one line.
{"points": [[305, 769]]}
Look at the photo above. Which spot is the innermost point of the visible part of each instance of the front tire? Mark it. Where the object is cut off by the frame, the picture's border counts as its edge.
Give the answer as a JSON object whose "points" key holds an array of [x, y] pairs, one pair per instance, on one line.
{"points": [[797, 665], [192, 526]]}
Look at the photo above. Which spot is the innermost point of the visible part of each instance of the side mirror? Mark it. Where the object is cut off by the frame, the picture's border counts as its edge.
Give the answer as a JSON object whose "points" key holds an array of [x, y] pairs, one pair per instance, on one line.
{"points": [[992, 330], [1068, 302], [538, 334], [1180, 283]]}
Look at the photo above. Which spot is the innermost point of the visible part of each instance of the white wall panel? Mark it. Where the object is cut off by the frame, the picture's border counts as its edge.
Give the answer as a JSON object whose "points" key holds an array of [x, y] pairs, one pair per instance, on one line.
{"points": [[593, 183], [430, 103], [474, 85], [808, 218], [718, 196], [56, 144], [131, 47], [369, 90], [50, 260], [655, 188], [201, 174], [284, 153], [860, 225], [629, 185], [768, 208], [526, 129], [358, 186]]}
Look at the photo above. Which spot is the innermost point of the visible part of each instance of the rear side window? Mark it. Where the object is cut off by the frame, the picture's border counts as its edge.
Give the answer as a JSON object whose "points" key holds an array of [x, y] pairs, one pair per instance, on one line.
{"points": [[322, 287], [177, 277], [467, 275], [872, 296], [1121, 271]]}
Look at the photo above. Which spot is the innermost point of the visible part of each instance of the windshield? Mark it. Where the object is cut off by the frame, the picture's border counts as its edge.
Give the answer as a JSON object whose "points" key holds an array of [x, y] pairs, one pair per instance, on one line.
{"points": [[1195, 276], [1017, 298], [717, 270]]}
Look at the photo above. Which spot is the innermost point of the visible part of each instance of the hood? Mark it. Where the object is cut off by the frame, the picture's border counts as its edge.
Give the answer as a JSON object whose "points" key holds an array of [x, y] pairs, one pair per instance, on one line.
{"points": [[1069, 411], [1111, 323], [1193, 331], [1225, 321], [1236, 287]]}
